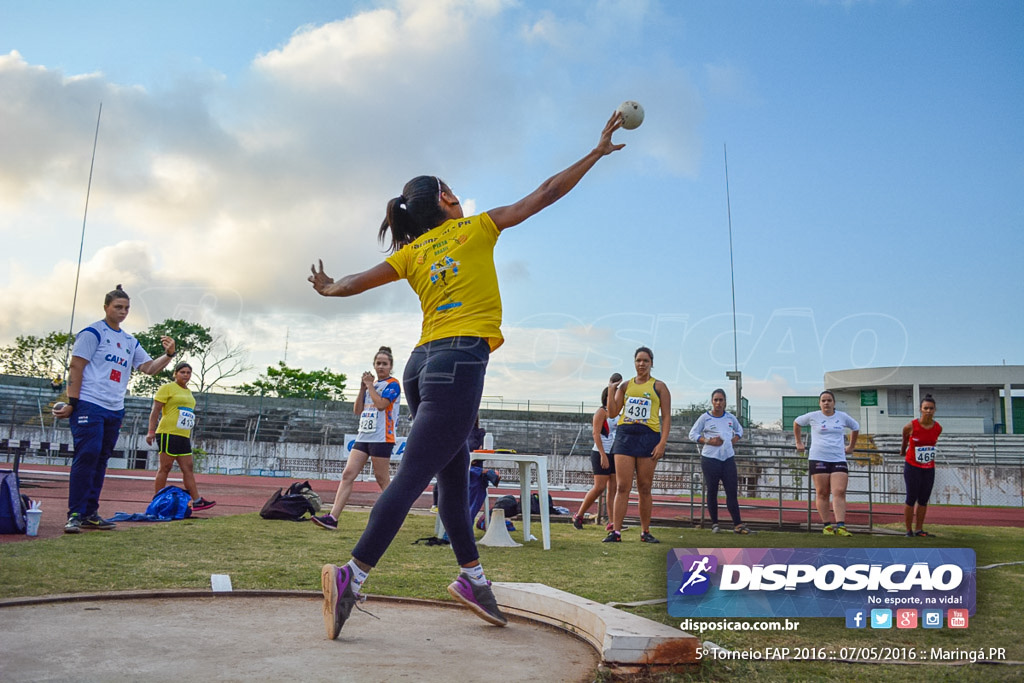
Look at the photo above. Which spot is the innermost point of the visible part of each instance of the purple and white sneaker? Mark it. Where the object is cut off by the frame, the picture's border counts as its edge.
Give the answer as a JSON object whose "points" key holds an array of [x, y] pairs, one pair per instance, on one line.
{"points": [[339, 598], [480, 599]]}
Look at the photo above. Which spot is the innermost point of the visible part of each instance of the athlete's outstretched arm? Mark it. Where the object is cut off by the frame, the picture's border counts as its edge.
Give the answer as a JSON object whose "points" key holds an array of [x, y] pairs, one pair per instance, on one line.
{"points": [[558, 185], [350, 285]]}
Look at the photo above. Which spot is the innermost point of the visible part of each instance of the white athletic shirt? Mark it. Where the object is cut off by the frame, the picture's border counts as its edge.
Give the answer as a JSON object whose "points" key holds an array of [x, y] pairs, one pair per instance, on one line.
{"points": [[609, 439], [378, 426], [828, 442], [111, 355], [709, 426]]}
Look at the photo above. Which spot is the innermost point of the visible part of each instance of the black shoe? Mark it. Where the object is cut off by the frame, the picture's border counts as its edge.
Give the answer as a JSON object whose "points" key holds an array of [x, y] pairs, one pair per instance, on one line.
{"points": [[647, 538], [202, 504], [74, 524], [613, 537], [95, 522], [577, 522], [339, 598]]}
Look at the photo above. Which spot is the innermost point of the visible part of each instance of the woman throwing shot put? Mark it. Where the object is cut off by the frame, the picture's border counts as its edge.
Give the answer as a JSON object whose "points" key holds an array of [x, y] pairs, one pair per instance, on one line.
{"points": [[377, 408], [918, 448], [170, 424], [448, 260], [827, 461], [601, 460], [646, 407]]}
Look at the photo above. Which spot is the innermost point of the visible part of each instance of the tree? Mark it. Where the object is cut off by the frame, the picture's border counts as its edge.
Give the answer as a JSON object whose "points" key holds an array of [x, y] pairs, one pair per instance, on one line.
{"points": [[213, 358], [286, 382], [32, 356]]}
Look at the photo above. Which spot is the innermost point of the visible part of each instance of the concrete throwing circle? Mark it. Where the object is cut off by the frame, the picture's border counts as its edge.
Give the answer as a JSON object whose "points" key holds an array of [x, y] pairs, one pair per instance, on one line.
{"points": [[277, 638]]}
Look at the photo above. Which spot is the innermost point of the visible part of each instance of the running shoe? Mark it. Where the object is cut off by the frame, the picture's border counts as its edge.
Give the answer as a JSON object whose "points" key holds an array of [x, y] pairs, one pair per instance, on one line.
{"points": [[841, 531], [74, 524], [327, 521], [910, 534], [741, 529], [715, 529], [339, 598], [829, 530], [577, 522], [924, 534], [609, 526], [646, 537], [480, 599], [202, 504], [95, 522], [613, 537]]}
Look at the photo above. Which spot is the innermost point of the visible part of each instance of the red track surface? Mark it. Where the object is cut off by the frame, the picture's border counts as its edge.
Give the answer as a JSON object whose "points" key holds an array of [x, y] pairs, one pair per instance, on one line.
{"points": [[131, 491]]}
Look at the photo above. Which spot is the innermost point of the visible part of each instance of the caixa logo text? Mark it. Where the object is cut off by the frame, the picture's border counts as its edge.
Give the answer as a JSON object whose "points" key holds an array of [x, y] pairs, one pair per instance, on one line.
{"points": [[832, 577]]}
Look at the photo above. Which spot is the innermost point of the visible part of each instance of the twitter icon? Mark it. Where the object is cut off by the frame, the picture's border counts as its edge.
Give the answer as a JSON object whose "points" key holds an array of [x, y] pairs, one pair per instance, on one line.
{"points": [[881, 618]]}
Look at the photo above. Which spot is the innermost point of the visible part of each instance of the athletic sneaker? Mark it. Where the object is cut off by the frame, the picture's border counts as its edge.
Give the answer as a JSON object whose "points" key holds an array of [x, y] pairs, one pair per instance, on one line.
{"points": [[609, 526], [74, 524], [829, 530], [613, 537], [741, 529], [325, 521], [339, 598], [924, 534], [646, 537], [94, 522], [202, 504], [841, 531], [715, 529], [480, 599], [910, 534], [577, 522]]}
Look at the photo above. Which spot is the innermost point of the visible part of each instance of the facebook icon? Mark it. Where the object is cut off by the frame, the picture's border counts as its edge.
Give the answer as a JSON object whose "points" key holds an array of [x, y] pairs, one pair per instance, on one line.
{"points": [[856, 618]]}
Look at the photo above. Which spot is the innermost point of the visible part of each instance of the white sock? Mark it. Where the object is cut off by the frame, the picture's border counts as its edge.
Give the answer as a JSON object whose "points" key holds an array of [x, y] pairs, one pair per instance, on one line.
{"points": [[358, 575], [475, 574]]}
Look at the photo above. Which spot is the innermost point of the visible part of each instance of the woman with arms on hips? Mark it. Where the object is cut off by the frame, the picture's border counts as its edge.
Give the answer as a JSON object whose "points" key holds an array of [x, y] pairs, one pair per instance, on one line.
{"points": [[646, 407], [102, 361], [717, 431], [170, 425], [601, 461], [827, 459], [377, 408], [448, 260], [918, 448]]}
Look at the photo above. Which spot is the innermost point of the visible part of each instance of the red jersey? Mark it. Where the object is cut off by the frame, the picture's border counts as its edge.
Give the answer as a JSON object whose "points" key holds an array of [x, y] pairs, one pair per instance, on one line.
{"points": [[921, 448]]}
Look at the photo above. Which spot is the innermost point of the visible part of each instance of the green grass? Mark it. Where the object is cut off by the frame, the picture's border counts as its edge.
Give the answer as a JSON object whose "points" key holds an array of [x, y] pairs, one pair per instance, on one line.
{"points": [[260, 554]]}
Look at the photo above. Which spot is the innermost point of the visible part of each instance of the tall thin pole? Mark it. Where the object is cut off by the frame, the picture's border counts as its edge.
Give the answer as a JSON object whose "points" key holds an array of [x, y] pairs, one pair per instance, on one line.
{"points": [[81, 244], [735, 374]]}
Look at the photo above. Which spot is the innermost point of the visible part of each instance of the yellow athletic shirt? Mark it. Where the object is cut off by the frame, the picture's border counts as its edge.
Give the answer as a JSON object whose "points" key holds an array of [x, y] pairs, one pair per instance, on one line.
{"points": [[451, 269], [178, 415], [641, 405]]}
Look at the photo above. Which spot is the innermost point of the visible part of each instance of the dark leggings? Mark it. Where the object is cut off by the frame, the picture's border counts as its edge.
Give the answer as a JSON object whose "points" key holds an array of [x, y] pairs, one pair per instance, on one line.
{"points": [[724, 471], [443, 382], [919, 481]]}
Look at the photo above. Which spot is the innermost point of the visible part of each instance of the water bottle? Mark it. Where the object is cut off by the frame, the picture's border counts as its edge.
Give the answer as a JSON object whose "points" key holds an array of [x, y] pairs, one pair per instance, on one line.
{"points": [[488, 442]]}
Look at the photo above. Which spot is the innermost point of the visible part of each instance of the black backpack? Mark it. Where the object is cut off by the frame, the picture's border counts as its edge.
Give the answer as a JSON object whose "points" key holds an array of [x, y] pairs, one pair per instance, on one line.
{"points": [[293, 504], [509, 504], [13, 504]]}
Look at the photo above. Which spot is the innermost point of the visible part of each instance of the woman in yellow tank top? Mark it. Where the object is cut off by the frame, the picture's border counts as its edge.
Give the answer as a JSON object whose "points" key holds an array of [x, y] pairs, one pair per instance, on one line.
{"points": [[645, 405], [448, 260]]}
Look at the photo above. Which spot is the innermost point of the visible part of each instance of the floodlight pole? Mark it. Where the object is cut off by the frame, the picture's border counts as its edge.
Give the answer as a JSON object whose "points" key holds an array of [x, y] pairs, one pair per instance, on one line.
{"points": [[735, 373]]}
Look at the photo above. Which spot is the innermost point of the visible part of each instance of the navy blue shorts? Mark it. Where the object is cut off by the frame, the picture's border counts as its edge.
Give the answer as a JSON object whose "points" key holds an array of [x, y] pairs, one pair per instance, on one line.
{"points": [[595, 464], [635, 440], [375, 449], [825, 467]]}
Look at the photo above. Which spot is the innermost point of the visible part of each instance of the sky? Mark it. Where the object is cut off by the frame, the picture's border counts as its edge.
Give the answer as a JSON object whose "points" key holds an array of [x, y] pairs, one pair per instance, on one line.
{"points": [[867, 156]]}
